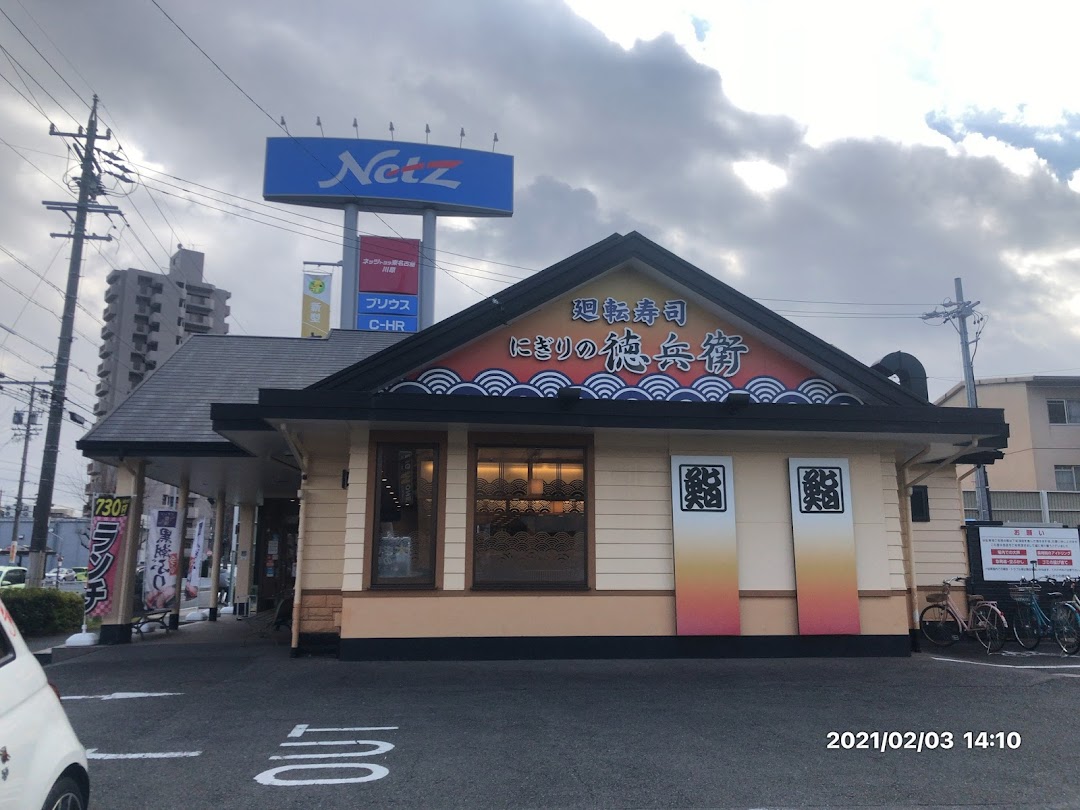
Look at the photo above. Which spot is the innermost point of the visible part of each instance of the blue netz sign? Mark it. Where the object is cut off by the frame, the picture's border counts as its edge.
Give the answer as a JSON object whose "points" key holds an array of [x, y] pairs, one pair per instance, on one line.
{"points": [[387, 323], [375, 303], [388, 176]]}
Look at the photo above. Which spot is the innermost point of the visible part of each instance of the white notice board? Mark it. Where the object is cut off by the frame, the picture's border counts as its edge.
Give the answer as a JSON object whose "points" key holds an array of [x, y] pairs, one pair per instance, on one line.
{"points": [[1009, 552]]}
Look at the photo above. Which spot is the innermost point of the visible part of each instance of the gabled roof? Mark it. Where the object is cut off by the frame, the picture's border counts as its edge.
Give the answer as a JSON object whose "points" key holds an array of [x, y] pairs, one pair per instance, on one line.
{"points": [[172, 406], [414, 352]]}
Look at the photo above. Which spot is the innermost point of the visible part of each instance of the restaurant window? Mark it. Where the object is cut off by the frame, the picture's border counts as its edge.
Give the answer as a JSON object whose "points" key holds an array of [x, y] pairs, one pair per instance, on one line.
{"points": [[530, 518], [405, 516]]}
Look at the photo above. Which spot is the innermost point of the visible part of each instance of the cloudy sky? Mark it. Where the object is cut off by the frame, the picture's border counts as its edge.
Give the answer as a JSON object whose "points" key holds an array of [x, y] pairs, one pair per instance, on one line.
{"points": [[841, 162]]}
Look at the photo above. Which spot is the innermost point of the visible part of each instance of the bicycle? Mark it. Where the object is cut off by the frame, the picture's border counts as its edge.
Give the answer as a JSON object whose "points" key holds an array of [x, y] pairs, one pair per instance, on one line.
{"points": [[1068, 636], [942, 624], [1031, 623]]}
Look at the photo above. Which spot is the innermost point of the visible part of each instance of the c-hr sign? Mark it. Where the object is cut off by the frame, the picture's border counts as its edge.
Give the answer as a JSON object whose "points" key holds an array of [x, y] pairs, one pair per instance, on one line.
{"points": [[388, 176]]}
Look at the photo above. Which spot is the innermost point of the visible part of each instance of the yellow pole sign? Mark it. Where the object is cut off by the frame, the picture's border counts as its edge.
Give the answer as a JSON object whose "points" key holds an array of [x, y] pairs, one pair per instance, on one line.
{"points": [[315, 307]]}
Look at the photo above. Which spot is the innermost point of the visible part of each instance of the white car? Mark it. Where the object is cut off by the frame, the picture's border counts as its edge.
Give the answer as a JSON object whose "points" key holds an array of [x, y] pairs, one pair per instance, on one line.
{"points": [[42, 762], [61, 574]]}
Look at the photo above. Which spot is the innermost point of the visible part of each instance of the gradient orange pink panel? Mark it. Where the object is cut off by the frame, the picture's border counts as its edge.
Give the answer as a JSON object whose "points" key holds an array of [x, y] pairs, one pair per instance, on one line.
{"points": [[824, 533], [706, 558]]}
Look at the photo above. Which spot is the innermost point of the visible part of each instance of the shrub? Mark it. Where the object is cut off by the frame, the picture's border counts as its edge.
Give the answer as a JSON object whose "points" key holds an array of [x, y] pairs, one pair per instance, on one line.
{"points": [[44, 611]]}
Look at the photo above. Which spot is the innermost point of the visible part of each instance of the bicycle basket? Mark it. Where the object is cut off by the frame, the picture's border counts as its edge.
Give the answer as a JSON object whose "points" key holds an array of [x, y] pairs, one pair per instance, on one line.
{"points": [[937, 596], [1022, 591]]}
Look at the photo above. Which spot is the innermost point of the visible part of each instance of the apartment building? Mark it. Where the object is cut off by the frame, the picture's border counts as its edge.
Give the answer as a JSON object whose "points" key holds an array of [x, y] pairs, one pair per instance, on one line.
{"points": [[147, 316], [1044, 419]]}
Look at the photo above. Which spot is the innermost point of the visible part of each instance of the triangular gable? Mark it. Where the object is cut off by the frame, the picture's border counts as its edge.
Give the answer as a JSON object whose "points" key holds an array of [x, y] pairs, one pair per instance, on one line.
{"points": [[779, 354], [624, 335]]}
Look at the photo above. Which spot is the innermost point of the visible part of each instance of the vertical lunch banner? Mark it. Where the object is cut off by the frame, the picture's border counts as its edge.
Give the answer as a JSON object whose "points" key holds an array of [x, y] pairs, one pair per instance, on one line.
{"points": [[198, 549], [824, 532], [706, 555], [315, 305], [106, 536], [162, 560]]}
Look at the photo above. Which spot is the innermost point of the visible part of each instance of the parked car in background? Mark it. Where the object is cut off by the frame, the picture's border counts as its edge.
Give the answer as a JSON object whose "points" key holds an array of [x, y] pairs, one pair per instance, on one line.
{"points": [[60, 575], [12, 576], [80, 572], [43, 763]]}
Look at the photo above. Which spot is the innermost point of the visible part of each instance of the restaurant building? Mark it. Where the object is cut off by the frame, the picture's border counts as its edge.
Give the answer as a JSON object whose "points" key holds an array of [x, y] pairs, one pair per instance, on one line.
{"points": [[619, 456]]}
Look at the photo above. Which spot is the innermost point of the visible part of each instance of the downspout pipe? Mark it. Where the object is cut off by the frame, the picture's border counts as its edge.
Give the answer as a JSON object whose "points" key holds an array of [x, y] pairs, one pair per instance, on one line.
{"points": [[903, 488], [293, 441]]}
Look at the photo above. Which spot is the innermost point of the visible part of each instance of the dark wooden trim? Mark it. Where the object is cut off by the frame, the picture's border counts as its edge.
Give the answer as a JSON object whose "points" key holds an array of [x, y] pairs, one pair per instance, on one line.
{"points": [[220, 449], [868, 594], [883, 594], [442, 409], [369, 513], [768, 594], [481, 592], [613, 647], [470, 508]]}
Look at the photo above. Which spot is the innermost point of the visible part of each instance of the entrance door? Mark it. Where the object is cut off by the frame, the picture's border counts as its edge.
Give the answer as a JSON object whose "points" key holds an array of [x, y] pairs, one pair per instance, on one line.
{"points": [[275, 553]]}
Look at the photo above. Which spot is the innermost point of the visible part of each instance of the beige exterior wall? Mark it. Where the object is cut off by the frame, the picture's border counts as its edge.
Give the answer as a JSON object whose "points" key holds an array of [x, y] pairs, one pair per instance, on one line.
{"points": [[633, 509], [457, 508], [940, 547], [324, 511], [352, 573], [634, 547]]}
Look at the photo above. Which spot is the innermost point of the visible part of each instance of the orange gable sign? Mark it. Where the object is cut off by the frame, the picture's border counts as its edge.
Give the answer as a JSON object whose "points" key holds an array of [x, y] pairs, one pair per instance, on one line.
{"points": [[623, 336]]}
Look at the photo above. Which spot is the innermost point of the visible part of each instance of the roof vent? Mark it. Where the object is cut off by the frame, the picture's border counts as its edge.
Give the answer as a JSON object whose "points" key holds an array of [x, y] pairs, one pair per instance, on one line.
{"points": [[907, 369]]}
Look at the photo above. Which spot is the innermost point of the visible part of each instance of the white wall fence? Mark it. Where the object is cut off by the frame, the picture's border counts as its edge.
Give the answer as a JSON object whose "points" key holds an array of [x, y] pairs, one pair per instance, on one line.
{"points": [[1031, 506]]}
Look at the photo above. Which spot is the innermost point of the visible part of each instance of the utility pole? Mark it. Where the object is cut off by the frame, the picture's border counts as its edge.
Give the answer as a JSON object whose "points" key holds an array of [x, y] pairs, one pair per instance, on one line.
{"points": [[959, 311], [28, 431], [89, 189], [28, 423]]}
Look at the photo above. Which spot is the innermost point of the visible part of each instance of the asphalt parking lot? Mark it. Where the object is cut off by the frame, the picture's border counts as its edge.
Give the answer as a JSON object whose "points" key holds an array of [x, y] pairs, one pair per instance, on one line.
{"points": [[243, 726]]}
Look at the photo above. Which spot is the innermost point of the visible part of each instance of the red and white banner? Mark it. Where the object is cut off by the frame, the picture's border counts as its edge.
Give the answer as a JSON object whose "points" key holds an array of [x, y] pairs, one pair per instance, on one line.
{"points": [[1012, 553], [106, 538], [389, 265]]}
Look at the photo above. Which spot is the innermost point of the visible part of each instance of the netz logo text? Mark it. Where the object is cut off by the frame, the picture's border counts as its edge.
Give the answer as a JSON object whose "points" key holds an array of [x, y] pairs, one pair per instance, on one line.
{"points": [[380, 170]]}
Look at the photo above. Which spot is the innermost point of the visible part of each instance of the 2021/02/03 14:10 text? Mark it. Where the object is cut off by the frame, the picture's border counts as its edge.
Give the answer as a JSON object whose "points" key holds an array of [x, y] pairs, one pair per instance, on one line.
{"points": [[922, 740]]}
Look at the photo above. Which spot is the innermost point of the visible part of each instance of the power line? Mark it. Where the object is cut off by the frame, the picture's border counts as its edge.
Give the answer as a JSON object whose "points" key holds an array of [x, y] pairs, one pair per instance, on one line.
{"points": [[45, 59], [301, 215], [38, 83], [41, 171]]}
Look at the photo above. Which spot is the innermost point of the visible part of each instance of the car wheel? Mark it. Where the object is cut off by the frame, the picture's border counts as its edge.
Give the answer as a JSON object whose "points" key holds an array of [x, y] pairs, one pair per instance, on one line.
{"points": [[65, 795]]}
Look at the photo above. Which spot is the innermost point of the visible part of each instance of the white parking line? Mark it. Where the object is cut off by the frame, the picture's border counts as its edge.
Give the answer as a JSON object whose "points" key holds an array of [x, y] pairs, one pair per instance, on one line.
{"points": [[121, 696], [1007, 666], [92, 753]]}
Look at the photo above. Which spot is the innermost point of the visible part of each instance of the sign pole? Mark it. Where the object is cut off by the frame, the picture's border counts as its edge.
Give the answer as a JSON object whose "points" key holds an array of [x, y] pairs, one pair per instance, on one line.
{"points": [[350, 266], [427, 270]]}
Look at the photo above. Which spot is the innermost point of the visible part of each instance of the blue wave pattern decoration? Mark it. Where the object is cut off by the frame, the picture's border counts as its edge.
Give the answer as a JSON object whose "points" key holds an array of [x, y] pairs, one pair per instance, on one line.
{"points": [[496, 382]]}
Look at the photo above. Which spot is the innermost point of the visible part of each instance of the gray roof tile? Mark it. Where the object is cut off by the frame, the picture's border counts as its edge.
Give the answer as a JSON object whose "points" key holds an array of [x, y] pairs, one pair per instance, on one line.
{"points": [[173, 403]]}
